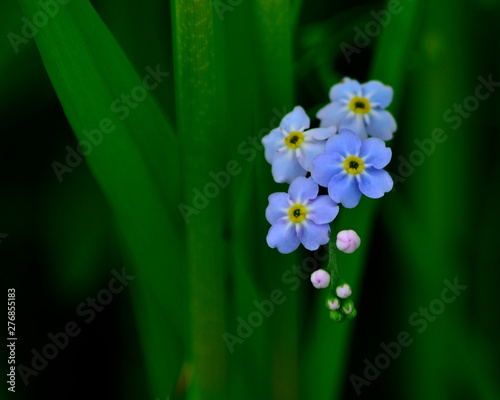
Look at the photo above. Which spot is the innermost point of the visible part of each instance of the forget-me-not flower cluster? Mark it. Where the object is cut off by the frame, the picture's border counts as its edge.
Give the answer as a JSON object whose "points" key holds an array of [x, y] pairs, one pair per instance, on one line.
{"points": [[346, 156]]}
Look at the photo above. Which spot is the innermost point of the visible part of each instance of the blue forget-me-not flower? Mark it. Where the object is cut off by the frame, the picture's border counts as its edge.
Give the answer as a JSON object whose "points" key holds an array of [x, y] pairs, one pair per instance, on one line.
{"points": [[300, 216], [290, 148], [351, 167], [360, 108]]}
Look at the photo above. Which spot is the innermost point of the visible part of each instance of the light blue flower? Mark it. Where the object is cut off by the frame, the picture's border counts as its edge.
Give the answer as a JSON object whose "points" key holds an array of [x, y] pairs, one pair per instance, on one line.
{"points": [[301, 216], [290, 148], [360, 108], [351, 167]]}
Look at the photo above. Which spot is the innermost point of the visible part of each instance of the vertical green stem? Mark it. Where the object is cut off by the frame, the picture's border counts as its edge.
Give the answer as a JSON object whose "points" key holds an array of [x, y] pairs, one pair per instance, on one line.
{"points": [[199, 116], [332, 267], [273, 70]]}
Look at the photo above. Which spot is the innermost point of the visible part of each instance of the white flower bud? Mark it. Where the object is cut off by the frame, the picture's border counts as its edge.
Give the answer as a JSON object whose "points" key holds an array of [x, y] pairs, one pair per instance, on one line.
{"points": [[344, 291], [320, 279], [333, 303], [347, 307], [348, 241]]}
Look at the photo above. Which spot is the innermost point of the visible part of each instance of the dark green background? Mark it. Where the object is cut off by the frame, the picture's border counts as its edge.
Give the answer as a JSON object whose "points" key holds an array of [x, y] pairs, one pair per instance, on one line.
{"points": [[232, 74]]}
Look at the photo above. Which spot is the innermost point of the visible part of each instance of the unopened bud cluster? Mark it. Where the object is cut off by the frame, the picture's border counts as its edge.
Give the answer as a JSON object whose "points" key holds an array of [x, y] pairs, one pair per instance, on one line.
{"points": [[341, 306]]}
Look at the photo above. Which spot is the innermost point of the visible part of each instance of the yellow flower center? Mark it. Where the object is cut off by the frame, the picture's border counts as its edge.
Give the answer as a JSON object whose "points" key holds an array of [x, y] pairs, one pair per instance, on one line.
{"points": [[297, 213], [353, 165], [294, 139], [359, 105]]}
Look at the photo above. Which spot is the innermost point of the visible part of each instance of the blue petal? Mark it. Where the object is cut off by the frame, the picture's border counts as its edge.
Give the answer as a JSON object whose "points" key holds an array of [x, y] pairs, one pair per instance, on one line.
{"points": [[297, 120], [312, 235], [377, 92], [303, 189], [343, 188], [278, 207], [332, 114], [307, 152], [374, 153], [382, 124], [272, 143], [356, 123], [286, 167], [322, 210], [345, 90], [320, 133], [283, 236], [374, 183], [325, 167], [346, 143]]}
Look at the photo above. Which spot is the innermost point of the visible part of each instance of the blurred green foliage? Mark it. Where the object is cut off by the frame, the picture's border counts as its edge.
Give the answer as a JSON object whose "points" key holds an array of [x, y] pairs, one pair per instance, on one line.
{"points": [[226, 73]]}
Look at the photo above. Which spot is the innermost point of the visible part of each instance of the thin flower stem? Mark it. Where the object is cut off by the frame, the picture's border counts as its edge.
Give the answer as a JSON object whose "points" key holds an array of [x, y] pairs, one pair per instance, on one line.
{"points": [[332, 267]]}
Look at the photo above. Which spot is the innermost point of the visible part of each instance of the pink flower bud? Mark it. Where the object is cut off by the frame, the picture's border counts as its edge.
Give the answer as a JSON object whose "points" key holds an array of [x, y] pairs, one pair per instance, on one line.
{"points": [[320, 279], [333, 304], [348, 241], [344, 291]]}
